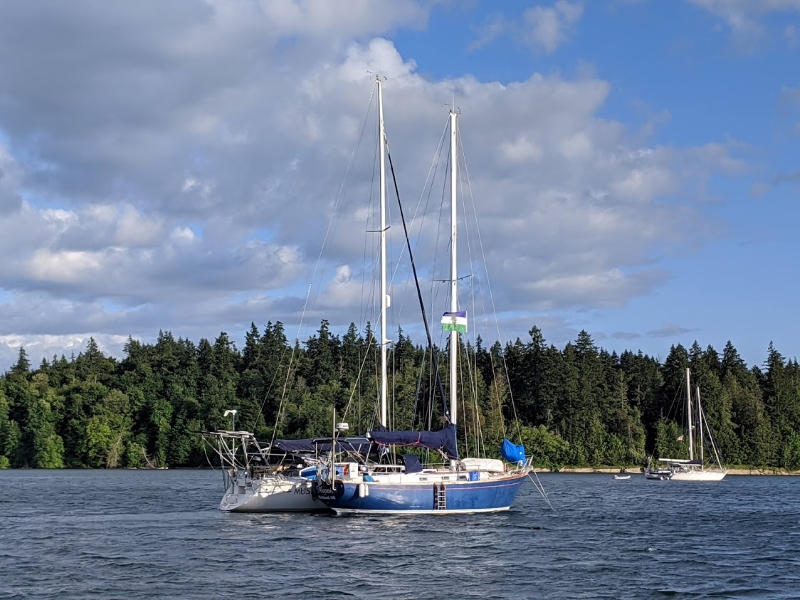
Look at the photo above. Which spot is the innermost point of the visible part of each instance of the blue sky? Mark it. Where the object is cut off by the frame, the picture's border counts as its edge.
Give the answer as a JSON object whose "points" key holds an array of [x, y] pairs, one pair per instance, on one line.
{"points": [[710, 82], [636, 162]]}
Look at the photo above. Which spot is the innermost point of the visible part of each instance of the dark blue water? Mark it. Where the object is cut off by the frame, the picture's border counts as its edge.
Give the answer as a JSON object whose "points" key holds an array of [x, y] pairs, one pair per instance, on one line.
{"points": [[158, 534]]}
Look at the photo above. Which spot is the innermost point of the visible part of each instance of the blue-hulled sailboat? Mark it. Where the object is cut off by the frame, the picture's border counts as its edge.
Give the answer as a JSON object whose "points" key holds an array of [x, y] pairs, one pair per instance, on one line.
{"points": [[362, 484]]}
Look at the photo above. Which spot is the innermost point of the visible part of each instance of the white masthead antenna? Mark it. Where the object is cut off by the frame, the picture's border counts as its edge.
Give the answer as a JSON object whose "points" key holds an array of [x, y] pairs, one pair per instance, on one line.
{"points": [[232, 413]]}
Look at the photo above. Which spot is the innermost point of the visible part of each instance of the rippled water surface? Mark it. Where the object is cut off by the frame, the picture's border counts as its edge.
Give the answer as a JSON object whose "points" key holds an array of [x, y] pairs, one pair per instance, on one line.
{"points": [[158, 534]]}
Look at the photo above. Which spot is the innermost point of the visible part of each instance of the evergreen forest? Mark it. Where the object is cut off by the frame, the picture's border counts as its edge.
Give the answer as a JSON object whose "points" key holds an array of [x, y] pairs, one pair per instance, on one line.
{"points": [[574, 406]]}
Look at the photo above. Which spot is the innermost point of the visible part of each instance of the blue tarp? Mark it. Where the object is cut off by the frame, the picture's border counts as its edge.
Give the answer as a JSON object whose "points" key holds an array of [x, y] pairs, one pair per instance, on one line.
{"points": [[444, 439], [512, 453]]}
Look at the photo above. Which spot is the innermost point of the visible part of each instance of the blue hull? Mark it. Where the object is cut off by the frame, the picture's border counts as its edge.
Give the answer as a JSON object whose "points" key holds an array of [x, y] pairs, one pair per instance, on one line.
{"points": [[462, 496]]}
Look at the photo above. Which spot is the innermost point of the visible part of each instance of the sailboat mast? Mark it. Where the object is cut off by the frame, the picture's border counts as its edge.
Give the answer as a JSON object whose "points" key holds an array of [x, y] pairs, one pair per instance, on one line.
{"points": [[700, 419], [689, 413], [453, 263], [384, 295]]}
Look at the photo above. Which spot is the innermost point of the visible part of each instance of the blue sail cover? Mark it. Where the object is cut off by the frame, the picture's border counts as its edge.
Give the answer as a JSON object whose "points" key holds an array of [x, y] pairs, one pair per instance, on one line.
{"points": [[512, 453], [444, 439], [359, 444]]}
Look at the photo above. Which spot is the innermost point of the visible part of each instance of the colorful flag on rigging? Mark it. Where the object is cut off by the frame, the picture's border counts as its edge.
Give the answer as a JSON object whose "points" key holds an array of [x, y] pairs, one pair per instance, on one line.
{"points": [[455, 321]]}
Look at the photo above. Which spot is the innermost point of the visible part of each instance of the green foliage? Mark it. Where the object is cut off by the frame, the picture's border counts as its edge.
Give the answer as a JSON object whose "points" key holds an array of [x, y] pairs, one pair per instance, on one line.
{"points": [[546, 448], [5, 427], [791, 453], [578, 406], [670, 441], [23, 365], [12, 442], [135, 456]]}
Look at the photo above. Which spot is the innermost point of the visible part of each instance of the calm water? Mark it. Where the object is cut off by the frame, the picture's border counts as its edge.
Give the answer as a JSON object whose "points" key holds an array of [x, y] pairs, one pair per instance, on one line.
{"points": [[146, 534]]}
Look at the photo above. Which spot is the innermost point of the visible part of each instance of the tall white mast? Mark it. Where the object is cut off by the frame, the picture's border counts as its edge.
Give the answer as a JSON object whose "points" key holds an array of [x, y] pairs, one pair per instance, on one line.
{"points": [[384, 295], [689, 413], [453, 262], [700, 418]]}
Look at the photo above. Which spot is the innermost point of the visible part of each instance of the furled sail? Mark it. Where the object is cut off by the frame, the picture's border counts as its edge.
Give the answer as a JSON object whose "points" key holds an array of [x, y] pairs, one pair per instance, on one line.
{"points": [[444, 439]]}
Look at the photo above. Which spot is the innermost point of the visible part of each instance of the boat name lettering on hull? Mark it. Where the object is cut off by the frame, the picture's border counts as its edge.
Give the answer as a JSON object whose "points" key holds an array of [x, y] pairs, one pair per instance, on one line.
{"points": [[326, 493]]}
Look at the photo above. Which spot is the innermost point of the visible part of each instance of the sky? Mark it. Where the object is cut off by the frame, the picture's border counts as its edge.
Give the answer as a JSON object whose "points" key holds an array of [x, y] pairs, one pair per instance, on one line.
{"points": [[196, 166]]}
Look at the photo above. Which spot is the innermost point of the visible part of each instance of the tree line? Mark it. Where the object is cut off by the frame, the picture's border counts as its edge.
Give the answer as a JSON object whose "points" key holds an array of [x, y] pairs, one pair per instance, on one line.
{"points": [[578, 406]]}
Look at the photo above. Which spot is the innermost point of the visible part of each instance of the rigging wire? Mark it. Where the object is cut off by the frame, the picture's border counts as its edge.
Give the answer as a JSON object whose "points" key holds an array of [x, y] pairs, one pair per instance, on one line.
{"points": [[473, 295], [430, 177], [331, 226], [419, 291], [538, 485], [358, 378], [491, 294], [334, 216], [260, 413]]}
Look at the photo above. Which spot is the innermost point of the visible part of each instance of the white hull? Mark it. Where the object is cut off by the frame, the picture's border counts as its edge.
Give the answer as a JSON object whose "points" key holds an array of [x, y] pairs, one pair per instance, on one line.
{"points": [[694, 469], [699, 476], [271, 494]]}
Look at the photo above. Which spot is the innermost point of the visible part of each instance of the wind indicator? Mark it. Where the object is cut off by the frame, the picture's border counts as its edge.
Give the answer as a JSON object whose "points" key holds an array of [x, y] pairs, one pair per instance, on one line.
{"points": [[232, 413]]}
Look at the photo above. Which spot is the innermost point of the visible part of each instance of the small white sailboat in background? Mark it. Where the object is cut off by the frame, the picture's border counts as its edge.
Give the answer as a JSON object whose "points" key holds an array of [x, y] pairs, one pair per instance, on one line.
{"points": [[697, 467]]}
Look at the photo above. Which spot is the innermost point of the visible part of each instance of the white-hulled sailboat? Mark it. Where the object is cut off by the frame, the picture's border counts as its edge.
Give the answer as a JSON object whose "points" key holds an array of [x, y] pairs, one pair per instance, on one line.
{"points": [[253, 482], [263, 478], [699, 466]]}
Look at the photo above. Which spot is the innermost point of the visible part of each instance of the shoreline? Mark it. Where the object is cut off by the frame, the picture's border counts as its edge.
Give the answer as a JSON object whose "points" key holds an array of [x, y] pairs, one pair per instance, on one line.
{"points": [[640, 471], [565, 470]]}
